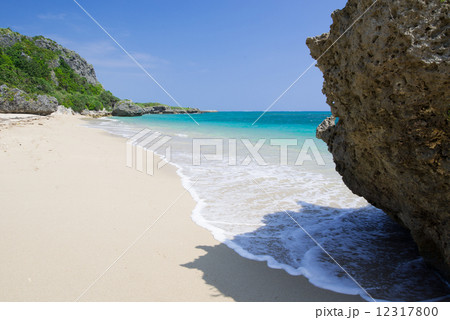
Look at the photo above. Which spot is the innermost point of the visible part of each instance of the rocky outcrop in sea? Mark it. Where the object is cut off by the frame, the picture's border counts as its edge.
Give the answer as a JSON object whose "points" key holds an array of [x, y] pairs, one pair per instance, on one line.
{"points": [[126, 108], [387, 82]]}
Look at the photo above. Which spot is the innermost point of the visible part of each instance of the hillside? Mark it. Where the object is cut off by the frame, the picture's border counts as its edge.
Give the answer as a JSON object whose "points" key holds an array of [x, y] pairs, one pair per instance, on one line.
{"points": [[34, 70], [38, 65]]}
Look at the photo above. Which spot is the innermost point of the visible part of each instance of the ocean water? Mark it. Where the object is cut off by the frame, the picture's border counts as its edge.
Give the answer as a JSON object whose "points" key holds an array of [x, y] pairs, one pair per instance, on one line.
{"points": [[295, 215]]}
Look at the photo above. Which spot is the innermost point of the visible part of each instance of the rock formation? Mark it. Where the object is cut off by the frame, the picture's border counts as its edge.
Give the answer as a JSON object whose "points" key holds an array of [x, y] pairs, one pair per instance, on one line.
{"points": [[96, 113], [17, 101], [73, 59], [387, 82], [61, 110], [126, 108]]}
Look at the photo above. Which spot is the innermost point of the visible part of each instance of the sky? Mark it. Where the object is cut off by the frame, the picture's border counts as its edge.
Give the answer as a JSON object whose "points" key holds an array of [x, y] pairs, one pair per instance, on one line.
{"points": [[236, 55]]}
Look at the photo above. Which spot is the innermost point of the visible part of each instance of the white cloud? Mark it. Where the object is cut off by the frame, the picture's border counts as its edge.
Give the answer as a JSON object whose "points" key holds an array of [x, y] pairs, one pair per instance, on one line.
{"points": [[97, 48], [106, 54], [148, 58], [65, 42], [52, 16], [121, 60], [111, 62]]}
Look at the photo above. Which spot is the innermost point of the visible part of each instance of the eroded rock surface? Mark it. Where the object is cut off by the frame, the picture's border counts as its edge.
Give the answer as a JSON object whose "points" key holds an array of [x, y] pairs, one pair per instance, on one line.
{"points": [[127, 108], [14, 100], [387, 81]]}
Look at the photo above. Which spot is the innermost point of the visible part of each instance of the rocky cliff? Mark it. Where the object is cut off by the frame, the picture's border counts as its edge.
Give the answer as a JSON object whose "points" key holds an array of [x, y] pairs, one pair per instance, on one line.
{"points": [[73, 59], [40, 66], [387, 81]]}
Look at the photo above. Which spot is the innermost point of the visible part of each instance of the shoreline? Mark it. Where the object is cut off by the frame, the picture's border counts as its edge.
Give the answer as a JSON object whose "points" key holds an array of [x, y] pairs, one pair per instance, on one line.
{"points": [[55, 247]]}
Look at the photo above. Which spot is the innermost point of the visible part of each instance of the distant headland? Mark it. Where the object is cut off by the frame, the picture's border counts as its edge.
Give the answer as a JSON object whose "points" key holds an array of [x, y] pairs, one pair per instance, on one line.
{"points": [[38, 74]]}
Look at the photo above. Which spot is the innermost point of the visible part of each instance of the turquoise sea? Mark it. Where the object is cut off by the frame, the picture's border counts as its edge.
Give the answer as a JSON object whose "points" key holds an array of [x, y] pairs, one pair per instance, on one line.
{"points": [[279, 211]]}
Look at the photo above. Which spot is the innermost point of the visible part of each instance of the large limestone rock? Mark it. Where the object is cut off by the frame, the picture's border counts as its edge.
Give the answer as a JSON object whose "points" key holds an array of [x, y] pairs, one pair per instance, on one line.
{"points": [[159, 108], [127, 108], [148, 110], [63, 111], [387, 80], [96, 113], [17, 101]]}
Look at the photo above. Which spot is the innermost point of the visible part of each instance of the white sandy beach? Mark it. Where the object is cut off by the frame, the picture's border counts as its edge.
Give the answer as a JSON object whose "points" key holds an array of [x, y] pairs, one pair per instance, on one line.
{"points": [[70, 207]]}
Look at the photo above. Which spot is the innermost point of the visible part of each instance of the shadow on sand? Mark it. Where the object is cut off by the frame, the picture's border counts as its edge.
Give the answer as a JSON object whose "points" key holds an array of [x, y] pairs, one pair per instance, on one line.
{"points": [[368, 244], [247, 280]]}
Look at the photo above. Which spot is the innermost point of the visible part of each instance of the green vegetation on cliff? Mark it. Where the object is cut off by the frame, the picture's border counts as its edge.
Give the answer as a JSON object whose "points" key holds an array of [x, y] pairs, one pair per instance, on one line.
{"points": [[38, 70]]}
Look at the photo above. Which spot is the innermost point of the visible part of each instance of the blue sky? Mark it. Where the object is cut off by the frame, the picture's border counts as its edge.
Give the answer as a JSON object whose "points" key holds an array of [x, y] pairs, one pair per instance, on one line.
{"points": [[224, 55]]}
